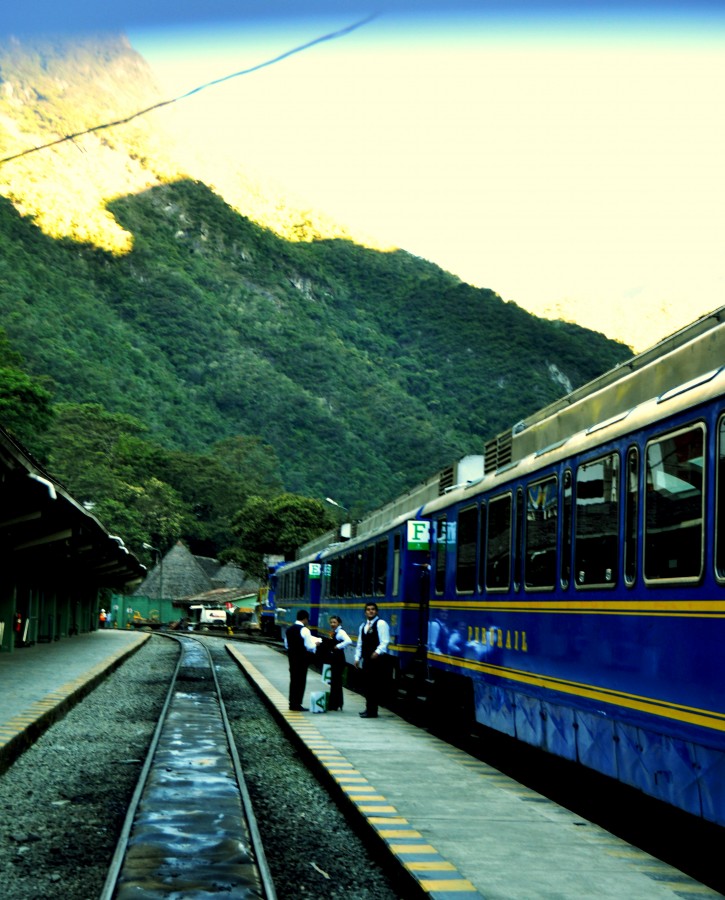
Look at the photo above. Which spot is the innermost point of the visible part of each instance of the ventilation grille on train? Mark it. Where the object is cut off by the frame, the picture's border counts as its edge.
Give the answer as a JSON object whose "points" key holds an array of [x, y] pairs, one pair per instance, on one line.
{"points": [[445, 480], [497, 452]]}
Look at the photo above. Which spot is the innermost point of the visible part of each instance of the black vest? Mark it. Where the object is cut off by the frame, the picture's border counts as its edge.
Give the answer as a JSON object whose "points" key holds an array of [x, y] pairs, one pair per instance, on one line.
{"points": [[370, 641], [295, 642]]}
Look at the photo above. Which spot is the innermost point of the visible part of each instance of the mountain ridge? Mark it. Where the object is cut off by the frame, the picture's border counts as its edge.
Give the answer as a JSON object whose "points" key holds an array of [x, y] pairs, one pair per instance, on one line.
{"points": [[364, 369]]}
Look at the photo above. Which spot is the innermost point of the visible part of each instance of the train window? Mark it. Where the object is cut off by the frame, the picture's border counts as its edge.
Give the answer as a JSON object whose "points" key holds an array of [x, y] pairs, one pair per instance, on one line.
{"points": [[396, 564], [596, 530], [357, 573], [631, 515], [335, 578], [467, 539], [542, 517], [566, 518], [518, 537], [381, 567], [482, 545], [369, 571], [720, 503], [674, 506], [346, 576], [441, 537], [498, 543]]}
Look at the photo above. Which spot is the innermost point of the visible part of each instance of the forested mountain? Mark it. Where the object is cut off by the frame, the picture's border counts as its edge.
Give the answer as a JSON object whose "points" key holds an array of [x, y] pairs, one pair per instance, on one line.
{"points": [[127, 282]]}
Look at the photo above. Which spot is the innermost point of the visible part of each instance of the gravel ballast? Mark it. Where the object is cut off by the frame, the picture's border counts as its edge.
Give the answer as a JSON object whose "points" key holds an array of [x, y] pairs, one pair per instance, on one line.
{"points": [[63, 802]]}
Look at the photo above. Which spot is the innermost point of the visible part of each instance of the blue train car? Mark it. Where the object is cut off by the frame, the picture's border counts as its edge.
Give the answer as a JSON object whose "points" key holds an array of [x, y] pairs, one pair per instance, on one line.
{"points": [[386, 566], [578, 587], [571, 595], [296, 586]]}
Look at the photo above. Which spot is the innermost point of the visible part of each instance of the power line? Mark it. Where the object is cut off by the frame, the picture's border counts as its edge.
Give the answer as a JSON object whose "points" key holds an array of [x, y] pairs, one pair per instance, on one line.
{"points": [[333, 35]]}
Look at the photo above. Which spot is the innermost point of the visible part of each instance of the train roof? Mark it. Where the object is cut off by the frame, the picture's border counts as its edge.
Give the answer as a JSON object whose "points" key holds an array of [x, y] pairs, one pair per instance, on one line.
{"points": [[463, 471], [681, 397], [673, 361], [692, 351]]}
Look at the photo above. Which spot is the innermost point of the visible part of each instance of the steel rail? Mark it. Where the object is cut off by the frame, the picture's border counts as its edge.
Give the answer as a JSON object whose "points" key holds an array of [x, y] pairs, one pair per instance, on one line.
{"points": [[225, 870]]}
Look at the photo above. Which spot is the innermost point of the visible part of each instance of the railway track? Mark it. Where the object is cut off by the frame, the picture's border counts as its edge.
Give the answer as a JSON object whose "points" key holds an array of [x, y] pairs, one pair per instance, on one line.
{"points": [[190, 830]]}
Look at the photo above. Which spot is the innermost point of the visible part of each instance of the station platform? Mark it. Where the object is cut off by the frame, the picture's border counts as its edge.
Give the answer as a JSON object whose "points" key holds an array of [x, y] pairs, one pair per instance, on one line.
{"points": [[39, 684], [460, 828]]}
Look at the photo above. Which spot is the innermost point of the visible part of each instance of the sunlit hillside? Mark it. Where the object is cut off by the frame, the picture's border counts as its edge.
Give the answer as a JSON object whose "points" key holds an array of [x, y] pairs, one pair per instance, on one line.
{"points": [[49, 90], [199, 304], [638, 321]]}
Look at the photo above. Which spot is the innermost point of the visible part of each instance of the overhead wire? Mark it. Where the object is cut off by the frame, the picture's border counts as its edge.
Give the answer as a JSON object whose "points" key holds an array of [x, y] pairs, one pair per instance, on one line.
{"points": [[333, 35]]}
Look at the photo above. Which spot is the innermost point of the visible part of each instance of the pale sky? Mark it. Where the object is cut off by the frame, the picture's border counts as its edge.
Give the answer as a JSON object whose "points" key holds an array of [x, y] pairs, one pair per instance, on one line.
{"points": [[562, 160]]}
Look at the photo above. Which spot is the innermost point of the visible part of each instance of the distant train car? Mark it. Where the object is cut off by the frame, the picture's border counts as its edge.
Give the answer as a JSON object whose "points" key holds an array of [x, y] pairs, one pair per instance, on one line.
{"points": [[573, 595], [384, 567], [297, 586], [268, 601]]}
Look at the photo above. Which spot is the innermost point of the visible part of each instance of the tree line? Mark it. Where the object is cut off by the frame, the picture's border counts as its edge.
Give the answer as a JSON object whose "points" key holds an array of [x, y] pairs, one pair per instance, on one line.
{"points": [[228, 502]]}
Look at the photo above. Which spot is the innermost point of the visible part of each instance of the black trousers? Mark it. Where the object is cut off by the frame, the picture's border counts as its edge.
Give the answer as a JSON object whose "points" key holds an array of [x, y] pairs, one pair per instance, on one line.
{"points": [[297, 680], [337, 667], [375, 681]]}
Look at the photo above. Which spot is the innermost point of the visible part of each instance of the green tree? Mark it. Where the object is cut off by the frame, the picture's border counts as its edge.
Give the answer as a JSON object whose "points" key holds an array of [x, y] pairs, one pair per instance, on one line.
{"points": [[211, 493], [147, 513], [87, 452], [277, 526], [107, 466], [25, 402], [253, 461]]}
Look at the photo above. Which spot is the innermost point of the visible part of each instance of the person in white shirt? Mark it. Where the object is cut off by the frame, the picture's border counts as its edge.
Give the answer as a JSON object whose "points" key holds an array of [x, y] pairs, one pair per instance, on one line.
{"points": [[372, 653], [340, 639], [299, 643]]}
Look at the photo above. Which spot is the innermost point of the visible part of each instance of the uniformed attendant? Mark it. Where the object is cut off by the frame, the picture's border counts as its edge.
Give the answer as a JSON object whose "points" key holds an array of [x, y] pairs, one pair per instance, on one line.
{"points": [[299, 643], [372, 652], [340, 640]]}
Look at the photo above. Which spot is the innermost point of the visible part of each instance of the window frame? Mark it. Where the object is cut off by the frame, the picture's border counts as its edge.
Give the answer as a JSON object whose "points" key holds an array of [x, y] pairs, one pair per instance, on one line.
{"points": [[492, 502], [473, 566], [719, 504], [607, 454], [549, 478], [380, 574], [440, 563], [632, 512], [567, 528], [659, 438]]}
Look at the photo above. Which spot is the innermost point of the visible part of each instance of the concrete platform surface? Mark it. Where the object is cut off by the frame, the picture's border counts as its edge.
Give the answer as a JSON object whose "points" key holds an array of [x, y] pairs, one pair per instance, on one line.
{"points": [[39, 684], [462, 829]]}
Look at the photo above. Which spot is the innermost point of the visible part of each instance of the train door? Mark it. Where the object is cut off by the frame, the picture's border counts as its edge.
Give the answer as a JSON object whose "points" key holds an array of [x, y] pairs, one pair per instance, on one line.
{"points": [[313, 590], [416, 553]]}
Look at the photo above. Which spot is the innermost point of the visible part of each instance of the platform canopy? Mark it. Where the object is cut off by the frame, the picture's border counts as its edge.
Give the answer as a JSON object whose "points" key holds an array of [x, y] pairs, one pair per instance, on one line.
{"points": [[44, 530]]}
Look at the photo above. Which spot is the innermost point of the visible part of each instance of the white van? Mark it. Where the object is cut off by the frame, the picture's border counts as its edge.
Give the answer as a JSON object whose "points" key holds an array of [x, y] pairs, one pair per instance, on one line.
{"points": [[209, 618]]}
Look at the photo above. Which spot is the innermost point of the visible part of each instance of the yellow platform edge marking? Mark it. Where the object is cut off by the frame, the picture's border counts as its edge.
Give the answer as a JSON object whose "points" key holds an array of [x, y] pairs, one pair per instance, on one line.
{"points": [[400, 833], [403, 849], [689, 887], [455, 884], [429, 865], [349, 780]]}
